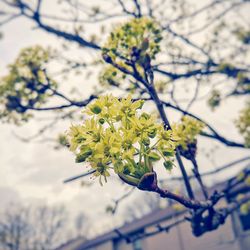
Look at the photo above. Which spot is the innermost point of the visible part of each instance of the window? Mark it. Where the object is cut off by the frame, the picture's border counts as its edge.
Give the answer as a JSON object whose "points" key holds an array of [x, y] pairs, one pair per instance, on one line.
{"points": [[137, 245]]}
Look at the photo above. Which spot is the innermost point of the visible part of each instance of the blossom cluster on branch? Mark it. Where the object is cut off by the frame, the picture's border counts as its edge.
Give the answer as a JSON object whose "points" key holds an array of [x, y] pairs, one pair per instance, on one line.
{"points": [[243, 123], [27, 85], [118, 135]]}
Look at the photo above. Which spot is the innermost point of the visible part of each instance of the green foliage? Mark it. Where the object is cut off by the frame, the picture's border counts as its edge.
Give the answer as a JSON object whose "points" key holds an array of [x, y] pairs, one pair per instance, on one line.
{"points": [[26, 85], [247, 180], [244, 177], [161, 86], [118, 135], [140, 34], [226, 67], [245, 208], [214, 99], [109, 209], [243, 36], [187, 130], [110, 76], [243, 124], [243, 82], [62, 141]]}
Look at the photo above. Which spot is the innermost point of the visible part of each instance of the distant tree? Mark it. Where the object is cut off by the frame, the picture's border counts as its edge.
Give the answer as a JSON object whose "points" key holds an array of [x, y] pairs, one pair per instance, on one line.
{"points": [[81, 225], [30, 228]]}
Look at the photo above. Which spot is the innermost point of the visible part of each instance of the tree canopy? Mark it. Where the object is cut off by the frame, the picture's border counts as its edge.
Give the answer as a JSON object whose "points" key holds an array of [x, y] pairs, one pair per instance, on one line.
{"points": [[163, 55]]}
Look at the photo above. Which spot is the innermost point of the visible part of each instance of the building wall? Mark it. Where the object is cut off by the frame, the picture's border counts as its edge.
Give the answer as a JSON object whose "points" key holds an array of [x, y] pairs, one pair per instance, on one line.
{"points": [[181, 238], [243, 237], [227, 237], [123, 245], [108, 245]]}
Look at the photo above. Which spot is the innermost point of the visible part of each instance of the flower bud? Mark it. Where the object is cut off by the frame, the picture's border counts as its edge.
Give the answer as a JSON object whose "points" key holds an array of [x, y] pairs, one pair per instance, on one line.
{"points": [[141, 103], [145, 116], [168, 165], [118, 118], [152, 133], [146, 141], [96, 109], [101, 121], [166, 135]]}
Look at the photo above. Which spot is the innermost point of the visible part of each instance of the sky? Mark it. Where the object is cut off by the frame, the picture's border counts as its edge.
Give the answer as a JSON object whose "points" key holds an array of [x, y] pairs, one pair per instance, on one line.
{"points": [[34, 172]]}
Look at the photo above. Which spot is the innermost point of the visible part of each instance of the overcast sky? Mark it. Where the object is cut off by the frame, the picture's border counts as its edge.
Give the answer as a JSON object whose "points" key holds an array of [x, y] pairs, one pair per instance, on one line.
{"points": [[33, 172]]}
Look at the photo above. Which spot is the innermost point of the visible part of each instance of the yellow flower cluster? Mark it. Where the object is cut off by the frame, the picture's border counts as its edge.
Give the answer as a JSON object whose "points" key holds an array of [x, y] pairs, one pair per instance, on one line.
{"points": [[118, 135], [243, 124], [187, 130], [245, 208], [26, 85], [110, 76], [243, 35], [140, 34]]}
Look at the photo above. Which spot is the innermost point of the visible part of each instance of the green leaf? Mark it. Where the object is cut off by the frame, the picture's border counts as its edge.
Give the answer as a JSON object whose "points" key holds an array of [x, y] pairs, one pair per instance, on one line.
{"points": [[154, 156], [152, 133], [83, 156], [168, 153]]}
